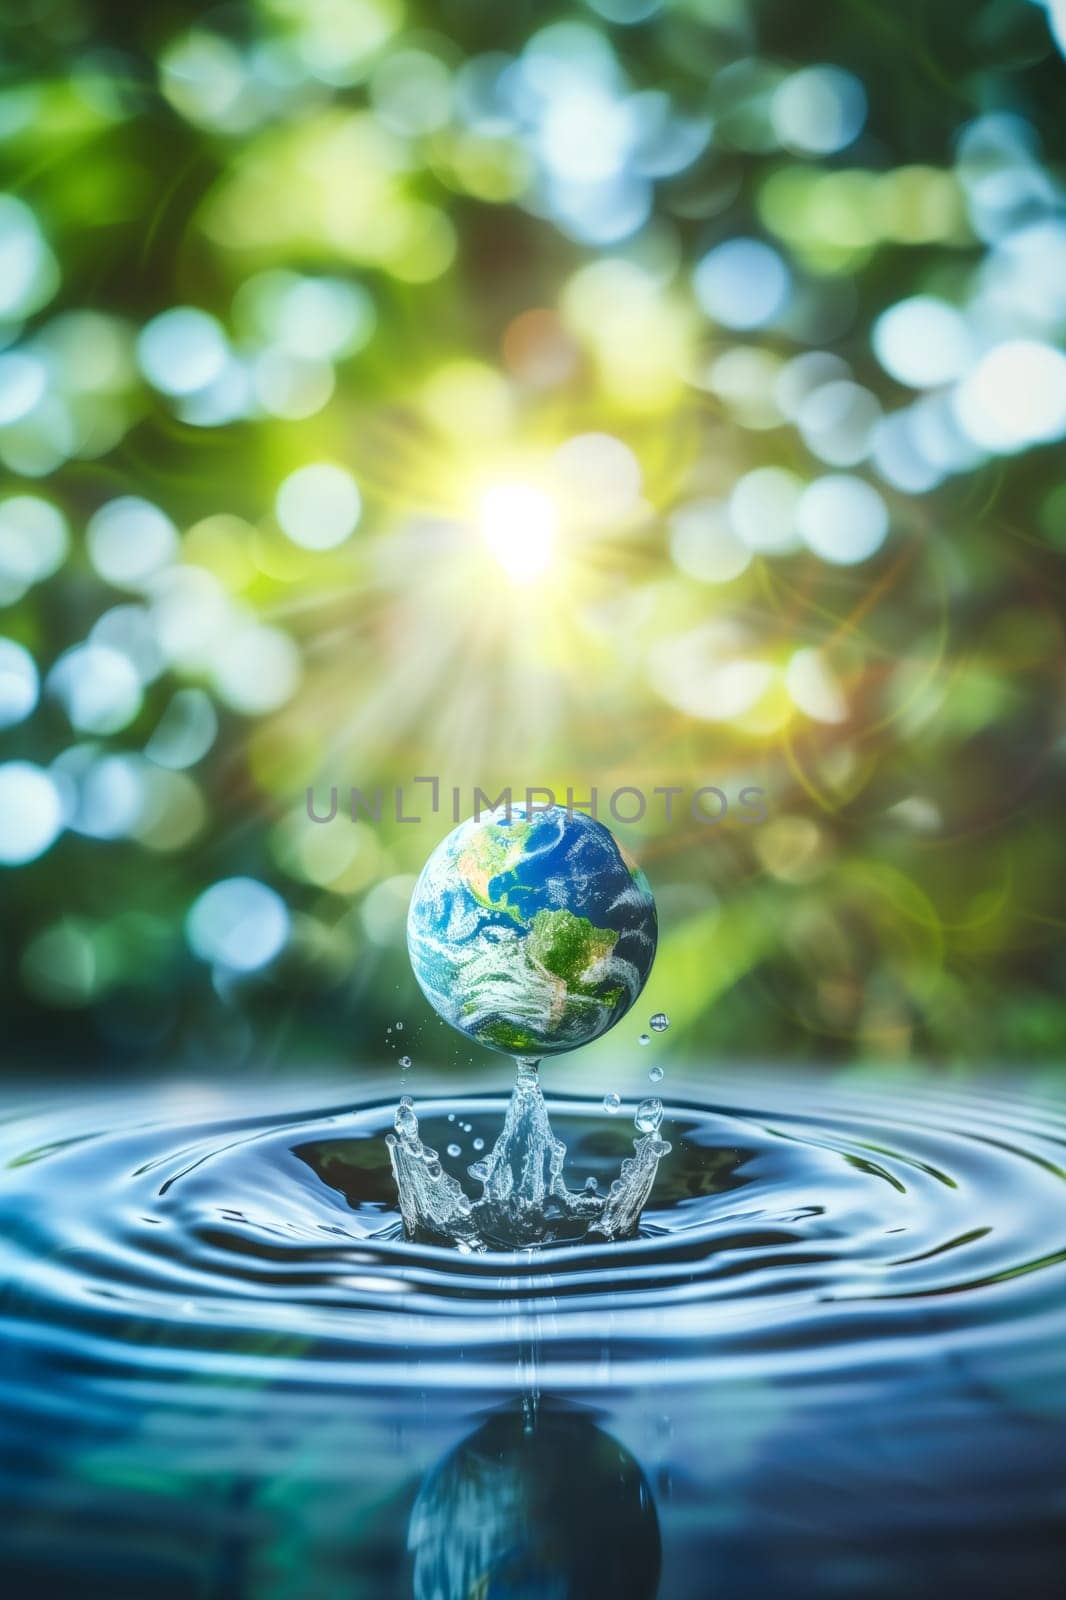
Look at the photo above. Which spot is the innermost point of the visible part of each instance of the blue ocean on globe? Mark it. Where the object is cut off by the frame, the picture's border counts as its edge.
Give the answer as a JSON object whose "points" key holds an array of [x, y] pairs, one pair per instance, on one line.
{"points": [[532, 933]]}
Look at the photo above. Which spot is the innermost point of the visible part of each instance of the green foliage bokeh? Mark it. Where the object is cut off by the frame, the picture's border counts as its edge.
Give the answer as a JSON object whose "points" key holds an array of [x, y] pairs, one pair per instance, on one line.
{"points": [[438, 247]]}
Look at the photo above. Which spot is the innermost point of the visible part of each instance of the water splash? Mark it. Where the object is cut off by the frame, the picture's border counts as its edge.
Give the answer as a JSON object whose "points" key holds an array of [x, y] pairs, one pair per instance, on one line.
{"points": [[649, 1114], [524, 1201]]}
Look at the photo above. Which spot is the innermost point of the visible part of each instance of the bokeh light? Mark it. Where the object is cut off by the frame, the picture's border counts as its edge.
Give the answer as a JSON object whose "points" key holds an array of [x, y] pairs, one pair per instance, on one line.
{"points": [[30, 812], [19, 683], [182, 350], [763, 507], [98, 687], [23, 380], [29, 275], [819, 110], [836, 422], [922, 342], [129, 539], [704, 544], [742, 283], [598, 476], [239, 924], [842, 519], [255, 668], [33, 543], [319, 506], [1015, 397], [185, 732]]}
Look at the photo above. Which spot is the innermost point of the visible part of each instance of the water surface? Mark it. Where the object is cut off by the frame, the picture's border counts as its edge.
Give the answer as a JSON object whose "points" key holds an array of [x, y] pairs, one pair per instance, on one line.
{"points": [[829, 1364]]}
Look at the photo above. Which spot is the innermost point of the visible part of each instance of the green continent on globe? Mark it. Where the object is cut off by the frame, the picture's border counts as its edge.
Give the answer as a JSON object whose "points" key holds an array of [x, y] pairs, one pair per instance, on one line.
{"points": [[532, 933], [567, 945]]}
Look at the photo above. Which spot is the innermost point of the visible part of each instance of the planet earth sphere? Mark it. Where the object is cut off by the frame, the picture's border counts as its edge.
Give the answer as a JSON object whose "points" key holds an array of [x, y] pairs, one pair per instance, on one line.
{"points": [[531, 933]]}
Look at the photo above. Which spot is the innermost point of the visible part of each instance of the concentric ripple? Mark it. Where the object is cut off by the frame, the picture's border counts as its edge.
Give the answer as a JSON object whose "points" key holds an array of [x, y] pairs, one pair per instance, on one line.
{"points": [[816, 1231]]}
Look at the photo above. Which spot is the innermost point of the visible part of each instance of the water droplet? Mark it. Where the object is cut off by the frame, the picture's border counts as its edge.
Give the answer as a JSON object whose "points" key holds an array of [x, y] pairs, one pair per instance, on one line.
{"points": [[660, 1022], [645, 1038], [479, 1170], [405, 1061], [649, 1114], [405, 1122], [612, 1103], [451, 1116], [399, 1027], [655, 1074], [389, 1029], [479, 1144], [454, 1150]]}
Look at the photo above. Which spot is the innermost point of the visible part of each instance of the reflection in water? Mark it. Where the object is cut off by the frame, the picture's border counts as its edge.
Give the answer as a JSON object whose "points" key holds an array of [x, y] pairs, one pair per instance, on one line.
{"points": [[549, 1509]]}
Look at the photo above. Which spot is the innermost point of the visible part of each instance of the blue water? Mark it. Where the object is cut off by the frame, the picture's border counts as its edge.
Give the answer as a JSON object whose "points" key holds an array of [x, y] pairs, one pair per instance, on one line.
{"points": [[830, 1365]]}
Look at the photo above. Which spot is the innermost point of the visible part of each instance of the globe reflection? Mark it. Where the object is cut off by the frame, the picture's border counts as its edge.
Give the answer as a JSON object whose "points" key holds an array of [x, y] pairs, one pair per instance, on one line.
{"points": [[542, 1507]]}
